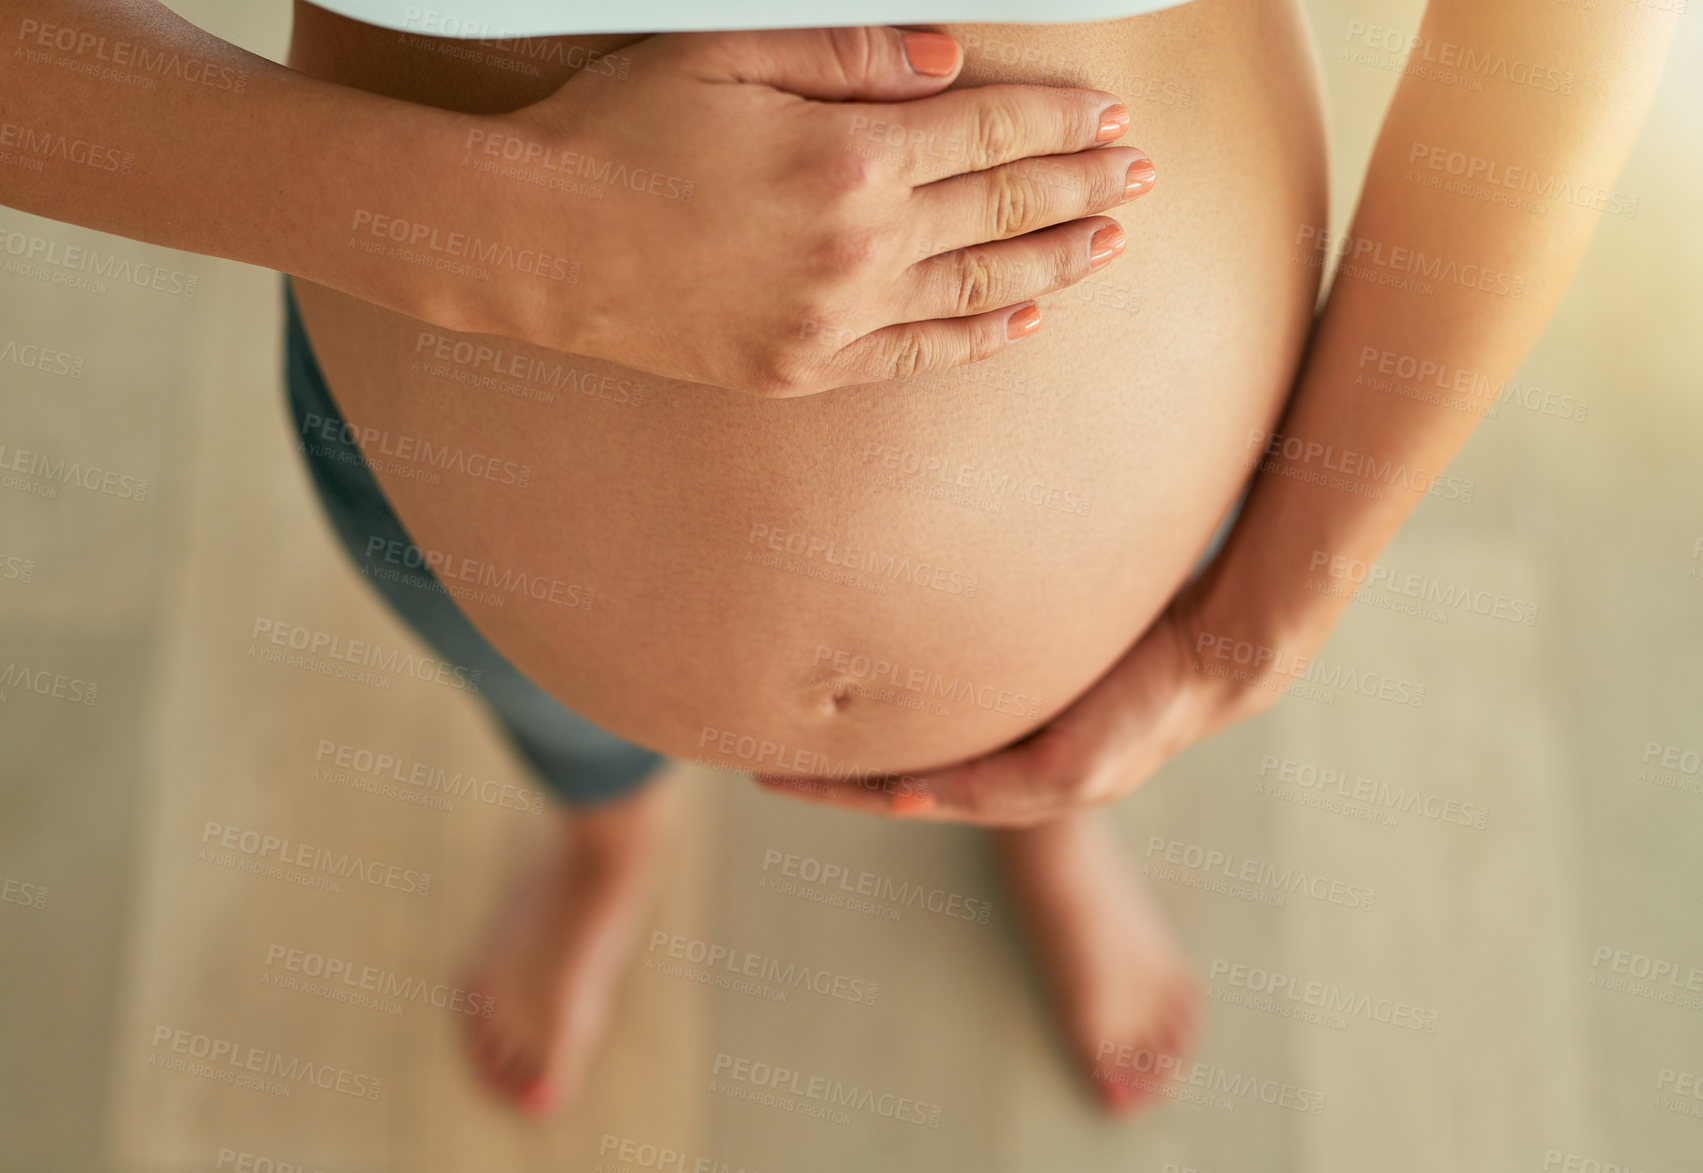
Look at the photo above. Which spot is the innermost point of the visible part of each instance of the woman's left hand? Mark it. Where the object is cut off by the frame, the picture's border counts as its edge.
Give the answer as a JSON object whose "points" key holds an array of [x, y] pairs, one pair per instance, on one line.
{"points": [[1150, 705]]}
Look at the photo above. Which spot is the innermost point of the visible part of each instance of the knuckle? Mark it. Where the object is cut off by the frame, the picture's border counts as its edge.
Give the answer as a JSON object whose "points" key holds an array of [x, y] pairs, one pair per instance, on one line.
{"points": [[1016, 203], [998, 130], [783, 370], [909, 355], [845, 252], [977, 282], [1065, 264], [853, 52], [847, 173]]}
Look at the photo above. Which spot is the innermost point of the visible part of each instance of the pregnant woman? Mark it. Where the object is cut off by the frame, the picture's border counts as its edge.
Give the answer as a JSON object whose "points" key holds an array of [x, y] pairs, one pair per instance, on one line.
{"points": [[758, 402]]}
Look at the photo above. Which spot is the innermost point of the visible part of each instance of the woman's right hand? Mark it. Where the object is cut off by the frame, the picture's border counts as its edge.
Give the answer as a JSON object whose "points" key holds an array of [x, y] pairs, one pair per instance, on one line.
{"points": [[782, 213]]}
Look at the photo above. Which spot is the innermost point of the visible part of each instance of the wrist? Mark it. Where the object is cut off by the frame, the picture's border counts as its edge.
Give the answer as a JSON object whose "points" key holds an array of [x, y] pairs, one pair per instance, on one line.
{"points": [[1244, 644], [472, 240]]}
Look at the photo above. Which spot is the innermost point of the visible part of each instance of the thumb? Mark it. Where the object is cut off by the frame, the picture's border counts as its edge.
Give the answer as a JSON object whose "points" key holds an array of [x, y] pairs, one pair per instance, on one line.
{"points": [[871, 64]]}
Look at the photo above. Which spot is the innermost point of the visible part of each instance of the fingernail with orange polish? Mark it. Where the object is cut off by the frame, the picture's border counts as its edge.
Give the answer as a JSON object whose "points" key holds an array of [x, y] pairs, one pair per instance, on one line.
{"points": [[931, 54], [538, 1099], [1139, 178], [1023, 322], [1114, 120], [913, 802], [1107, 243]]}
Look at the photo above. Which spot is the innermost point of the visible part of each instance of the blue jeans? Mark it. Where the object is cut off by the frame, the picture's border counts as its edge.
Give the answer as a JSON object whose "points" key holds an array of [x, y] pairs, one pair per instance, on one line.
{"points": [[579, 762]]}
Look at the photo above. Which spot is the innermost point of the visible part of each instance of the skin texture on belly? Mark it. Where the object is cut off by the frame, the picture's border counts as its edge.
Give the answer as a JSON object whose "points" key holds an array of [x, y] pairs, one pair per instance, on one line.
{"points": [[889, 577]]}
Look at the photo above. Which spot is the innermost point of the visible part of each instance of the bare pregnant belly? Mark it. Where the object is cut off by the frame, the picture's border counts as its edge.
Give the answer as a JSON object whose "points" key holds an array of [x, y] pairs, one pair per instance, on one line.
{"points": [[889, 577]]}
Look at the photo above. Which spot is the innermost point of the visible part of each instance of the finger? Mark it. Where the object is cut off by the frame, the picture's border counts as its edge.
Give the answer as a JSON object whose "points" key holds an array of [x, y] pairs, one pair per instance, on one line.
{"points": [[872, 64], [1035, 193], [916, 348], [987, 126], [893, 795], [973, 280], [995, 791]]}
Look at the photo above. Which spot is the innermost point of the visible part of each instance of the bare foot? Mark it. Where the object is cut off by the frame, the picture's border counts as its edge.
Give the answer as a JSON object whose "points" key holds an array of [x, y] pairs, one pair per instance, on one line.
{"points": [[560, 947], [1123, 991]]}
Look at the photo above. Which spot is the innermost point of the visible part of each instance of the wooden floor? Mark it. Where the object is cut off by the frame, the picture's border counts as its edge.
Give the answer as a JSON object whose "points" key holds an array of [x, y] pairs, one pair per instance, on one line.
{"points": [[124, 922]]}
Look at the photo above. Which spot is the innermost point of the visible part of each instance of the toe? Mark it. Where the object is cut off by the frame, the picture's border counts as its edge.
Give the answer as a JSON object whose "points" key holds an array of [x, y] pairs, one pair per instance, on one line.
{"points": [[537, 1097], [486, 1047], [1120, 1092]]}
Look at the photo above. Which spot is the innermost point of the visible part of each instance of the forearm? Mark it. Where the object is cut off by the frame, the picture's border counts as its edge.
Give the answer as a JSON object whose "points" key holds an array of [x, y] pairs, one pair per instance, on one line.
{"points": [[1440, 296], [225, 153]]}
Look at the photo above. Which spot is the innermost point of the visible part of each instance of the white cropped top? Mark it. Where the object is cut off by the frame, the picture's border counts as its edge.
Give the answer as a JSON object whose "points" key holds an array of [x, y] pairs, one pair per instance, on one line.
{"points": [[500, 19]]}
